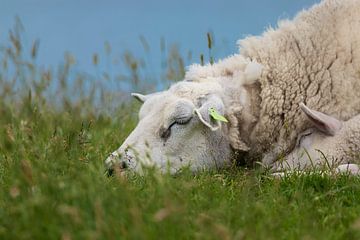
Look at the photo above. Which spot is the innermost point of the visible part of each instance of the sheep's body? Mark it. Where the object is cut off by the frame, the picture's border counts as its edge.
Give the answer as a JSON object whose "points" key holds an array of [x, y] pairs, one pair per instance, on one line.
{"points": [[317, 149], [313, 59]]}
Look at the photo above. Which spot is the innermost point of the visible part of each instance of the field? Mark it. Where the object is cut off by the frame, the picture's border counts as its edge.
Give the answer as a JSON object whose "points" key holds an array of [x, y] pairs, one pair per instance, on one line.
{"points": [[53, 183]]}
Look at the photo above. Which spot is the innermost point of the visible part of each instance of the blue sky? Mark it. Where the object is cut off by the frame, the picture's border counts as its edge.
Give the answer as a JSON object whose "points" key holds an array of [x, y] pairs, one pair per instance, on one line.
{"points": [[82, 26]]}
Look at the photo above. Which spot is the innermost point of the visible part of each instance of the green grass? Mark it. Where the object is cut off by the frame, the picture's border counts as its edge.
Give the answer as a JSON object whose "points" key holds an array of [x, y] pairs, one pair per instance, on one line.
{"points": [[56, 130], [53, 186]]}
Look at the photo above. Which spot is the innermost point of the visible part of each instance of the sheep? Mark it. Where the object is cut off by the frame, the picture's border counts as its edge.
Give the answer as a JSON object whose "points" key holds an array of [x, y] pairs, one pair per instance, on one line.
{"points": [[315, 59], [329, 144]]}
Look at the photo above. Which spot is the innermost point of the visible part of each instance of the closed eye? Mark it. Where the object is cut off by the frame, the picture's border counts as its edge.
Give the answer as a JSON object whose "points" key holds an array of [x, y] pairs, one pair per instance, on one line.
{"points": [[182, 120], [165, 133], [302, 137]]}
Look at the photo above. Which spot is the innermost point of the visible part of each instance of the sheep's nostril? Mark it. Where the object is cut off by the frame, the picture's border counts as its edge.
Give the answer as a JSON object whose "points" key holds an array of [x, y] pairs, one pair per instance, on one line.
{"points": [[111, 171], [118, 161], [123, 165], [110, 163]]}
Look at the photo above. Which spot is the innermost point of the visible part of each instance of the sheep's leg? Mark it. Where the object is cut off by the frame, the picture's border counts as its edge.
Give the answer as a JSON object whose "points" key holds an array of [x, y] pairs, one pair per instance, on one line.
{"points": [[349, 168], [278, 175]]}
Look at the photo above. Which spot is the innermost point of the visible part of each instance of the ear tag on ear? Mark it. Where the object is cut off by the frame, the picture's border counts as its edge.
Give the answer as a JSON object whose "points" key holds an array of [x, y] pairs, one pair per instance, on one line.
{"points": [[217, 116]]}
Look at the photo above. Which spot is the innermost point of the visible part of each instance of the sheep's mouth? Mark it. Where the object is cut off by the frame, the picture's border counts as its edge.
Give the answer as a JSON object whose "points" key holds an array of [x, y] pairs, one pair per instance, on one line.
{"points": [[117, 169], [116, 166]]}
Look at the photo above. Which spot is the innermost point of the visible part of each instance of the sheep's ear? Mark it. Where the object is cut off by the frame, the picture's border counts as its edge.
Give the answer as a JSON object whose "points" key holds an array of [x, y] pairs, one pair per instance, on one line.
{"points": [[142, 98], [252, 72], [325, 123], [211, 112]]}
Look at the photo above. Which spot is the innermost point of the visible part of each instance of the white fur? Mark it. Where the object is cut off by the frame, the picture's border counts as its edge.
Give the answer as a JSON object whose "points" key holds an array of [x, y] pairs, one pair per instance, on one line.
{"points": [[337, 148], [314, 58]]}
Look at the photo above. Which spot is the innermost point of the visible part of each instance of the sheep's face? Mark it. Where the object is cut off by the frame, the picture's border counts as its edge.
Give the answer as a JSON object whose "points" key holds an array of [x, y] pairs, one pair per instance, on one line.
{"points": [[175, 130], [311, 145], [315, 144]]}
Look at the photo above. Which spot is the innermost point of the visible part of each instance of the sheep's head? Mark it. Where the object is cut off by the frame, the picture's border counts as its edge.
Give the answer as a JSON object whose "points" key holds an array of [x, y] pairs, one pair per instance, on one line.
{"points": [[176, 130], [316, 143]]}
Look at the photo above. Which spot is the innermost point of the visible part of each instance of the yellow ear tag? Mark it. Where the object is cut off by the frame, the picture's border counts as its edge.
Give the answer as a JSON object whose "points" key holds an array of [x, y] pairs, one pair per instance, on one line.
{"points": [[217, 116]]}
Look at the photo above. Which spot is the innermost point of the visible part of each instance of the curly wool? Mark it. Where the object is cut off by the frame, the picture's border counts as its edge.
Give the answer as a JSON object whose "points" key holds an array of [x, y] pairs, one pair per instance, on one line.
{"points": [[314, 59]]}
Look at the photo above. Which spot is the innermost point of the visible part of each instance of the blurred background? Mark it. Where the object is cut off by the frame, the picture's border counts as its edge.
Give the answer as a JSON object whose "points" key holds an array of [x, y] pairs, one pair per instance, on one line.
{"points": [[122, 46], [66, 70]]}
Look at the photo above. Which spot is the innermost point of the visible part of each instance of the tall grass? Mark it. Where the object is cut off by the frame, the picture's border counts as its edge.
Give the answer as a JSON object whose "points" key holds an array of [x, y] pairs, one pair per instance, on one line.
{"points": [[67, 88], [57, 127]]}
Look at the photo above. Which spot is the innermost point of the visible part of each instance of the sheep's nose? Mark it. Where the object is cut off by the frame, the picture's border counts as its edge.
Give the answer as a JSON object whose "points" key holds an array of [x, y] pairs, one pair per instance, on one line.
{"points": [[119, 160], [121, 166], [114, 161]]}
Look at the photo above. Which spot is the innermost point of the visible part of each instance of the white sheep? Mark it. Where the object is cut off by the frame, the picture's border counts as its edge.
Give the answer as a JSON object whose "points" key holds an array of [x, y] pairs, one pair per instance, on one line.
{"points": [[329, 144], [314, 59]]}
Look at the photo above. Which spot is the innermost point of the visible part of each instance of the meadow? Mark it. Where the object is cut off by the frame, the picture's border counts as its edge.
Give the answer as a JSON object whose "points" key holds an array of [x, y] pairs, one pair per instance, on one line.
{"points": [[57, 127]]}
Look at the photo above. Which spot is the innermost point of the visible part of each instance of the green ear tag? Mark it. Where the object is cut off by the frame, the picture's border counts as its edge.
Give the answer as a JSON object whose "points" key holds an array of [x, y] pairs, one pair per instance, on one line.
{"points": [[217, 116]]}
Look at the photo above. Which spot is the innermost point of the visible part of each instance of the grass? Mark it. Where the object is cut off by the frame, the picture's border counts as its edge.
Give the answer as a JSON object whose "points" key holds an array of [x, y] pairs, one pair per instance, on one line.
{"points": [[53, 185]]}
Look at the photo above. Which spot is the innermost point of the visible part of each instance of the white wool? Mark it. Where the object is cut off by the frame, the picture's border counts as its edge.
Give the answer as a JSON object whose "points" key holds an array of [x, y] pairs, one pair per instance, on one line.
{"points": [[225, 67], [314, 58], [252, 72]]}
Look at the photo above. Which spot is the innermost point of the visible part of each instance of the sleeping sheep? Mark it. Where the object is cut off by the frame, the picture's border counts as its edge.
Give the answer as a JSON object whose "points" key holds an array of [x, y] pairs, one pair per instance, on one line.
{"points": [[329, 144], [315, 59]]}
